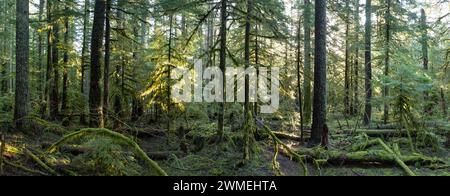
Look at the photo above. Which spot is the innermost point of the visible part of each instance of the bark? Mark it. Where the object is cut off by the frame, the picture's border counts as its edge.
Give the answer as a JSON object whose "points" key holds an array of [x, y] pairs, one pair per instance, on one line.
{"points": [[347, 109], [247, 58], [22, 63], [387, 59], [307, 64], [119, 70], [84, 80], [54, 95], [41, 77], [320, 74], [356, 68], [223, 56], [95, 103], [368, 64], [64, 103], [424, 41], [107, 60], [299, 85]]}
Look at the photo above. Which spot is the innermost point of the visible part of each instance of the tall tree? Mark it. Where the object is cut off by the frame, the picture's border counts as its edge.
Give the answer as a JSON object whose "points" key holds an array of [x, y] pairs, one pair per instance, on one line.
{"points": [[22, 63], [356, 58], [299, 78], [307, 64], [424, 42], [54, 95], [84, 74], [368, 64], [107, 60], [223, 58], [247, 114], [320, 75], [64, 101], [95, 101], [347, 59], [387, 20]]}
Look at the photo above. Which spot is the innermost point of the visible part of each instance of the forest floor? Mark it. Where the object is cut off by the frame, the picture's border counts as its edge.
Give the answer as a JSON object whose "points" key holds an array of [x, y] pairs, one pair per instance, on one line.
{"points": [[208, 159]]}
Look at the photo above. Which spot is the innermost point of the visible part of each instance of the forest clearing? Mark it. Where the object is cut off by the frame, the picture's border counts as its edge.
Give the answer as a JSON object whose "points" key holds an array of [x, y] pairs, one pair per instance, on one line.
{"points": [[224, 88]]}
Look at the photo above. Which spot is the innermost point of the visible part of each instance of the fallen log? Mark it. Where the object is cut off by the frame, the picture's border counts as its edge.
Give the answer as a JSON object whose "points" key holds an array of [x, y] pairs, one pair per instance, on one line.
{"points": [[69, 149], [368, 157], [39, 162], [36, 172], [288, 136], [380, 132]]}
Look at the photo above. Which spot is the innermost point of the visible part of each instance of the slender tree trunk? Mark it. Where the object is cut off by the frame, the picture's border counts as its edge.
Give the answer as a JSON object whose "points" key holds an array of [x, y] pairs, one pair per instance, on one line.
{"points": [[223, 56], [247, 58], [347, 60], [307, 65], [320, 75], [255, 110], [48, 72], [443, 103], [41, 81], [84, 80], [387, 59], [368, 63], [54, 94], [119, 70], [22, 63], [356, 68], [95, 101], [299, 78], [424, 41], [107, 61], [247, 112], [64, 103]]}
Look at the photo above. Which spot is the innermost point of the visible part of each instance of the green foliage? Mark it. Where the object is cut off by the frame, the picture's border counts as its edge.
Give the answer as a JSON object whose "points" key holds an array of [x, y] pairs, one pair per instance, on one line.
{"points": [[107, 158]]}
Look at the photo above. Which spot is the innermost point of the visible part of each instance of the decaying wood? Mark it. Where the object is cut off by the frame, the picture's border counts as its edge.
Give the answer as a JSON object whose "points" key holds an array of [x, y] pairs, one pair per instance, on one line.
{"points": [[288, 136], [37, 172], [39, 162]]}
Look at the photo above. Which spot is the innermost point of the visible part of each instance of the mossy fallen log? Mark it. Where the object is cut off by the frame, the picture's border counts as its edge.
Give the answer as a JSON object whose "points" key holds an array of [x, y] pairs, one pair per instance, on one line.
{"points": [[25, 169], [114, 135], [288, 136], [365, 157], [39, 162]]}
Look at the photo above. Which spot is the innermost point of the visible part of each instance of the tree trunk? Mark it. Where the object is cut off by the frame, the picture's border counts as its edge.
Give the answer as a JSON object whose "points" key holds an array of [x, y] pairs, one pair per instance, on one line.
{"points": [[107, 60], [424, 41], [64, 103], [95, 102], [368, 63], [48, 72], [299, 85], [307, 65], [247, 58], [387, 19], [223, 56], [356, 68], [320, 74], [84, 80], [22, 63], [41, 81], [347, 60], [54, 95]]}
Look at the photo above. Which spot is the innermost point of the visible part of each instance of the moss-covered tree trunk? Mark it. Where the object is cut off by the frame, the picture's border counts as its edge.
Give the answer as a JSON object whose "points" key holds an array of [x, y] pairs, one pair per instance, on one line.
{"points": [[307, 64]]}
